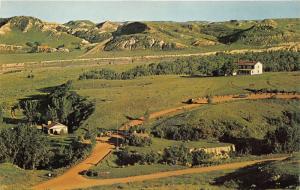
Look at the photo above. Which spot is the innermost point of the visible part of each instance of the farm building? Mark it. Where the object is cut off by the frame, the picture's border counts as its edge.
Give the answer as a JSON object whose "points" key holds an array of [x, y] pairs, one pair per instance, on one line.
{"points": [[248, 68], [55, 128]]}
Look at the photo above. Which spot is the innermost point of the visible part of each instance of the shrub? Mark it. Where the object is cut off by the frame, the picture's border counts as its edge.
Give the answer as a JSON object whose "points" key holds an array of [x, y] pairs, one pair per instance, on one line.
{"points": [[137, 140], [200, 157], [177, 155], [286, 138]]}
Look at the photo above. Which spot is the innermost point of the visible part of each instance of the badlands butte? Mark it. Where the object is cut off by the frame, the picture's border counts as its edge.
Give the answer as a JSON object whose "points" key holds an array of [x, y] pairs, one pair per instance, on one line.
{"points": [[149, 105], [28, 34]]}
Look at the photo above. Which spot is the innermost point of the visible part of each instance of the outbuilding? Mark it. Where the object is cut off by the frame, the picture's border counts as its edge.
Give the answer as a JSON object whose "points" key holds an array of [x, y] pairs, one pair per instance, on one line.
{"points": [[55, 128]]}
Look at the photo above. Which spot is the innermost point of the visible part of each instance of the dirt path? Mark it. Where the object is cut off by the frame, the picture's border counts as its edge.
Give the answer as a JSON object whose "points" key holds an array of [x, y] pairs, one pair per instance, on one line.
{"points": [[80, 182], [200, 101], [71, 176]]}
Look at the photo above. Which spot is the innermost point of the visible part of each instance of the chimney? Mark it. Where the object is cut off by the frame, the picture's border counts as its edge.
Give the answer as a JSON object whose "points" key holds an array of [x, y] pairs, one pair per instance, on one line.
{"points": [[49, 122]]}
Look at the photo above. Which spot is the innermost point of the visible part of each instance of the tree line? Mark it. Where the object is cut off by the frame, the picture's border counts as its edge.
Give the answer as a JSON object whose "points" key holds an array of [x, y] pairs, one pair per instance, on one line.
{"points": [[29, 148], [215, 65], [173, 155]]}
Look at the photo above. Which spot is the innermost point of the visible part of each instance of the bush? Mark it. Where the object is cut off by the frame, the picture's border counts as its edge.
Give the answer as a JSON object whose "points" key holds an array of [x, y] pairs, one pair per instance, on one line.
{"points": [[137, 140], [200, 157], [177, 155], [286, 138]]}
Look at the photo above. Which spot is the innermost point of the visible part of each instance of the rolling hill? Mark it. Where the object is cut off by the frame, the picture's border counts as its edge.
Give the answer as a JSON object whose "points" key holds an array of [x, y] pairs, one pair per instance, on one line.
{"points": [[30, 32]]}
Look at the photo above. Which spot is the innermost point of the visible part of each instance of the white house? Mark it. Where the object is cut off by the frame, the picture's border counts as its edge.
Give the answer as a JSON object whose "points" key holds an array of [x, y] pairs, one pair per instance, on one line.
{"points": [[249, 68], [55, 128]]}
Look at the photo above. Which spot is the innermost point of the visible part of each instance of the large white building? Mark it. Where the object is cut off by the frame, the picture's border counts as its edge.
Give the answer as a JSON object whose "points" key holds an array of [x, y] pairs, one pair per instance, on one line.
{"points": [[249, 68]]}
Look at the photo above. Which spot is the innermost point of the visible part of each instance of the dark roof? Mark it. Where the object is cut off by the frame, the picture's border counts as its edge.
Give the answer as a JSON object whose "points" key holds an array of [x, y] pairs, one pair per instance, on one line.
{"points": [[246, 63], [53, 124]]}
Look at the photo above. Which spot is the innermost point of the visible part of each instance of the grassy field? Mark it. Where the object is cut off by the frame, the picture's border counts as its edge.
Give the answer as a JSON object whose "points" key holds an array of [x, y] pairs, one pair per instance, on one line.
{"points": [[191, 182], [117, 99], [10, 174], [252, 115]]}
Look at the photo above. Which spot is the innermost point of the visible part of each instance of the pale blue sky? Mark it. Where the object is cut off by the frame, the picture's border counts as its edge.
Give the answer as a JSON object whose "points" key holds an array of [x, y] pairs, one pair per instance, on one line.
{"points": [[97, 11]]}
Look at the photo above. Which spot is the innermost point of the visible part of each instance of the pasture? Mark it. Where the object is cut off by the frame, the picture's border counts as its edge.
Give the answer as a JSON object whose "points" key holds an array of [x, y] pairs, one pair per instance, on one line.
{"points": [[116, 100]]}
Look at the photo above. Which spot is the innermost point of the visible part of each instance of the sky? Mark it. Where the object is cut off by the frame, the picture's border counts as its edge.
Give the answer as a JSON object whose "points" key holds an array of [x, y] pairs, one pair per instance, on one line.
{"points": [[165, 10]]}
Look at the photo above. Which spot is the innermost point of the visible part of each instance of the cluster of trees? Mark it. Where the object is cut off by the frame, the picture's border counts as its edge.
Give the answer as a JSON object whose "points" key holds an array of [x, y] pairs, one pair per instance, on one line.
{"points": [[178, 132], [59, 105], [215, 65], [24, 146], [286, 137], [174, 155], [1, 113], [67, 155], [137, 140], [267, 90], [29, 148], [185, 131]]}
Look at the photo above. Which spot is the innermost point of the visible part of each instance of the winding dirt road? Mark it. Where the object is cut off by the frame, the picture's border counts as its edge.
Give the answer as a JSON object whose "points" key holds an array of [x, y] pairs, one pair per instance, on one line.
{"points": [[71, 178], [201, 101], [81, 182]]}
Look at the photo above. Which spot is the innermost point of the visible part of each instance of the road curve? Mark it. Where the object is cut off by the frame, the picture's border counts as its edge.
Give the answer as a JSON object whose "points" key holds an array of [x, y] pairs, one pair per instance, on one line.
{"points": [[85, 183], [71, 176]]}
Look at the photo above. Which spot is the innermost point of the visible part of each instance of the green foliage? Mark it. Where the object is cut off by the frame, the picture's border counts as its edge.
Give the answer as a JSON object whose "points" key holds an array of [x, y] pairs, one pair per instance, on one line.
{"points": [[286, 138], [268, 175], [200, 157], [30, 108], [219, 64], [178, 132], [137, 140], [258, 35], [24, 146], [60, 105], [228, 68], [69, 155], [177, 155], [1, 113]]}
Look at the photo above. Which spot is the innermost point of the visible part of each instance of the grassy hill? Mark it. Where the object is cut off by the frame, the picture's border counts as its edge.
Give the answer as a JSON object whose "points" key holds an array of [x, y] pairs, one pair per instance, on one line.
{"points": [[266, 32], [149, 35], [242, 119], [24, 30]]}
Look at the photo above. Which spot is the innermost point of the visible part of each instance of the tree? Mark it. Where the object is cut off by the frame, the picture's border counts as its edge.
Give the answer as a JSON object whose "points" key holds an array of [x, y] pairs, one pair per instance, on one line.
{"points": [[30, 110], [24, 146], [229, 68], [177, 155], [285, 139], [1, 113], [200, 157]]}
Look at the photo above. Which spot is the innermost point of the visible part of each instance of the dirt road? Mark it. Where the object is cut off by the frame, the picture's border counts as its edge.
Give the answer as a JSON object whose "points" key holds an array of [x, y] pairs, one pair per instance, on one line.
{"points": [[201, 101], [71, 176], [80, 182]]}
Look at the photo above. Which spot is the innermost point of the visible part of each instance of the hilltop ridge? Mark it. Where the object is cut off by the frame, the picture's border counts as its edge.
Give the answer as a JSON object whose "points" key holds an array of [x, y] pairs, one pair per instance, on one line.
{"points": [[155, 35]]}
